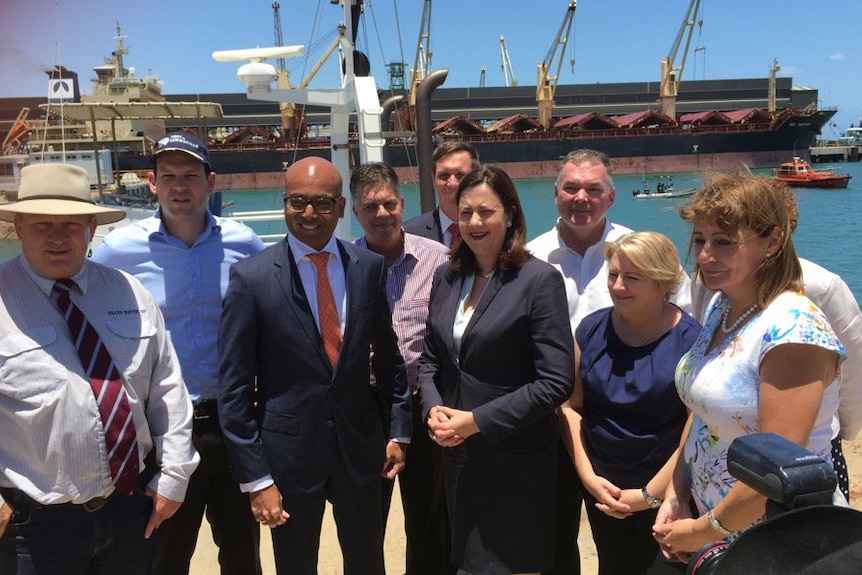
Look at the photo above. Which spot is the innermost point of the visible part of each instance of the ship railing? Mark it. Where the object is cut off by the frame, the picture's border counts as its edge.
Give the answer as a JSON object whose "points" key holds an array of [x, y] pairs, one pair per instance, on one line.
{"points": [[259, 216]]}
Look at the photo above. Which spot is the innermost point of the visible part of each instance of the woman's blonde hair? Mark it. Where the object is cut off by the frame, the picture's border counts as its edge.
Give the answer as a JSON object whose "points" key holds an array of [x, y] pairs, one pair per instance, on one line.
{"points": [[738, 201], [653, 255]]}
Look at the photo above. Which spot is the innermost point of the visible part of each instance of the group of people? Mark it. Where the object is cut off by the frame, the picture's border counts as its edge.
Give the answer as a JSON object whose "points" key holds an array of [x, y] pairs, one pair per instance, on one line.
{"points": [[184, 370]]}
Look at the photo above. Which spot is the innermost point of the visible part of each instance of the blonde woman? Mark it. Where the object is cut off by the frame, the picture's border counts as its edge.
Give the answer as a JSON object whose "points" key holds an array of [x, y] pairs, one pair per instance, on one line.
{"points": [[624, 420]]}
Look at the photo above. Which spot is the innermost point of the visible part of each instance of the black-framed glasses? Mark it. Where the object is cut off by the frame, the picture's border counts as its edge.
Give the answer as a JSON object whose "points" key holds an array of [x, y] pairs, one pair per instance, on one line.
{"points": [[320, 204]]}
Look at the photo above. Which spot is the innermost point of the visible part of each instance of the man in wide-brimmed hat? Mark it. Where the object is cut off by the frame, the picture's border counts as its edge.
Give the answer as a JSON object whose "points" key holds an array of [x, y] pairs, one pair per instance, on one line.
{"points": [[95, 418]]}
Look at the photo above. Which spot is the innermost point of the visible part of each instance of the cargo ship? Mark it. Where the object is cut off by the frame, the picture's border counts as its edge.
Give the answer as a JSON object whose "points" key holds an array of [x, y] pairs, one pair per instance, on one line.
{"points": [[702, 138]]}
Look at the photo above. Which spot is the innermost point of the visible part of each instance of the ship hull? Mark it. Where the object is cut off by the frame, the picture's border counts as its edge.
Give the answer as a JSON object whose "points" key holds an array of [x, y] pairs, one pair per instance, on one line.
{"points": [[825, 183], [633, 151]]}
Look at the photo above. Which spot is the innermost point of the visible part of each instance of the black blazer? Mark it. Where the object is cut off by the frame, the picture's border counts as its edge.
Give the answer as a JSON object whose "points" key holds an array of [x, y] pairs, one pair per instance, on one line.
{"points": [[279, 397], [516, 362], [426, 225]]}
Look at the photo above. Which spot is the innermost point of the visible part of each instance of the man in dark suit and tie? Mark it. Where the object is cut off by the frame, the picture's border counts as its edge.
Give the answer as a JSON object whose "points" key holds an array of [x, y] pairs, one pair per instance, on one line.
{"points": [[453, 159], [301, 421]]}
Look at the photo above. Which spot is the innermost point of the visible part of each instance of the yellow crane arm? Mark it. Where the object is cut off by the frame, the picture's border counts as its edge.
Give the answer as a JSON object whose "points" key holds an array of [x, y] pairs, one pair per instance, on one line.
{"points": [[546, 84]]}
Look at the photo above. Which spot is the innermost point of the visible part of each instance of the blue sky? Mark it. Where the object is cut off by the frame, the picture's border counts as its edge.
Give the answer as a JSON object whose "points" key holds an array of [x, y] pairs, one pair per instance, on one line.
{"points": [[816, 43]]}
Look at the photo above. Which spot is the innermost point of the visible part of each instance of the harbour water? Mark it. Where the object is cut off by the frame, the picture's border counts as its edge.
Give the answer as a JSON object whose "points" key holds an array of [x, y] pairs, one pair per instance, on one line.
{"points": [[829, 231]]}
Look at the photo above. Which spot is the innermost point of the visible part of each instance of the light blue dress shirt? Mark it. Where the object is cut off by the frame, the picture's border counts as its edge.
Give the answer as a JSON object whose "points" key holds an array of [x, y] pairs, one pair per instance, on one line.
{"points": [[187, 282]]}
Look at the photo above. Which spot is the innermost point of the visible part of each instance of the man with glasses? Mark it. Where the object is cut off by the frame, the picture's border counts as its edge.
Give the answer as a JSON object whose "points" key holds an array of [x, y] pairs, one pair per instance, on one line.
{"points": [[411, 261], [302, 423], [453, 159], [182, 256], [584, 192]]}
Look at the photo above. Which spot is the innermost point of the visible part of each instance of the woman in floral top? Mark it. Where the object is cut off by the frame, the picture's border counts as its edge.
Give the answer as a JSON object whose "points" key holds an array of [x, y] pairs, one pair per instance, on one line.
{"points": [[766, 361]]}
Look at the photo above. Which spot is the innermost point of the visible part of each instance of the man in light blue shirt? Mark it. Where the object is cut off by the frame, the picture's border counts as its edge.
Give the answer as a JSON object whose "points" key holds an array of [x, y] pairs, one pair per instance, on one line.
{"points": [[182, 256]]}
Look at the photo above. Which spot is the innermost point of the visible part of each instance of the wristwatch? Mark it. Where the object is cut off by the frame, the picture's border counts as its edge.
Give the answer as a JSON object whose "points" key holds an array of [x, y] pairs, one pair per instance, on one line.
{"points": [[652, 502]]}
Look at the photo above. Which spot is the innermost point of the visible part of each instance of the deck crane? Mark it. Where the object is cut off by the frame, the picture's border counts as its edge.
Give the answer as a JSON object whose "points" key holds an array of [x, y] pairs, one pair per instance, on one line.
{"points": [[546, 85], [508, 72], [482, 77], [287, 109], [422, 62], [770, 106], [671, 74]]}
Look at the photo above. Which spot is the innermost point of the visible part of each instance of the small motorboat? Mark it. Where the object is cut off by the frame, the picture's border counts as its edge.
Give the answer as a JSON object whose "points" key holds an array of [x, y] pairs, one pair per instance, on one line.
{"points": [[664, 189], [799, 173]]}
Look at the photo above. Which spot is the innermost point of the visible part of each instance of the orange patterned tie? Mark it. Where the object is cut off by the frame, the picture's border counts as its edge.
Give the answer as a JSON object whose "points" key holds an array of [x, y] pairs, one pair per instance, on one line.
{"points": [[455, 233], [330, 327]]}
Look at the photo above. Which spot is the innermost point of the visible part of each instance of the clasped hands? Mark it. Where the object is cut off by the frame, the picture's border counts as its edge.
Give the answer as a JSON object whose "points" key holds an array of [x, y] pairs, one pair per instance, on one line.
{"points": [[266, 506], [612, 500], [677, 533], [449, 427]]}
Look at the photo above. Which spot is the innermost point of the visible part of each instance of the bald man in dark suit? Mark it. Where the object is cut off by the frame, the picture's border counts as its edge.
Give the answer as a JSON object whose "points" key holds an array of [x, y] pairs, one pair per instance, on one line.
{"points": [[302, 423]]}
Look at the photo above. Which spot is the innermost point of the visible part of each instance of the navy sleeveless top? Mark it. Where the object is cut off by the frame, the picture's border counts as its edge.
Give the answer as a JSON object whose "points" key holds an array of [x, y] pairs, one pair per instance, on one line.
{"points": [[633, 417]]}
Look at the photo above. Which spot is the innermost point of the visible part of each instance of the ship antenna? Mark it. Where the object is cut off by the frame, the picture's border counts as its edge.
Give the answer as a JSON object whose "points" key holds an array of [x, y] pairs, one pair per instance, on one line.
{"points": [[120, 71]]}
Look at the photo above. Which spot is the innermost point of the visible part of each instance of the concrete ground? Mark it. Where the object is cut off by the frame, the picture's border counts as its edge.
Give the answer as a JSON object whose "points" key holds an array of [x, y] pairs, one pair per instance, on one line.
{"points": [[205, 561]]}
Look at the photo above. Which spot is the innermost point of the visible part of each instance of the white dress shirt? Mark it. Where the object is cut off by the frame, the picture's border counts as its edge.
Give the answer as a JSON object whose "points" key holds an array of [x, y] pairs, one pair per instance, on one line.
{"points": [[54, 447], [586, 277], [308, 276]]}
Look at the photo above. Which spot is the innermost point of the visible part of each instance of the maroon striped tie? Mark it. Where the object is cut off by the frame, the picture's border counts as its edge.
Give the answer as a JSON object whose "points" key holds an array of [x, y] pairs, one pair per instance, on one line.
{"points": [[454, 236], [120, 437]]}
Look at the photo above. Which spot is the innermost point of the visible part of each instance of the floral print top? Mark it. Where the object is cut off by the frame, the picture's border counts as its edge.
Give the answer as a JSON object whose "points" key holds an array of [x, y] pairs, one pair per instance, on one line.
{"points": [[721, 388]]}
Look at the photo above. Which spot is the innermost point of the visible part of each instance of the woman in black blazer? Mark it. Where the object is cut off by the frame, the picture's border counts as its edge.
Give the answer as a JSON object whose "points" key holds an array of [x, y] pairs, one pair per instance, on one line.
{"points": [[498, 361]]}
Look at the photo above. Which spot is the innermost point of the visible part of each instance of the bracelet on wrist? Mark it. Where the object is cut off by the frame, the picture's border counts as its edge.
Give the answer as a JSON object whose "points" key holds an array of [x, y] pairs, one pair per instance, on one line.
{"points": [[713, 522], [652, 502]]}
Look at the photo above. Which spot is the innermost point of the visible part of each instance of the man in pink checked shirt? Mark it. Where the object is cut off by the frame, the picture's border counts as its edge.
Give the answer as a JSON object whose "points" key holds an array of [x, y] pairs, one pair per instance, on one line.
{"points": [[411, 261]]}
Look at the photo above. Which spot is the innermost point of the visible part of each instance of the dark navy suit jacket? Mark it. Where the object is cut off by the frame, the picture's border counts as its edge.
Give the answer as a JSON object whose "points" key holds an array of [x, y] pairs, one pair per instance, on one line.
{"points": [[516, 362], [426, 225], [279, 398]]}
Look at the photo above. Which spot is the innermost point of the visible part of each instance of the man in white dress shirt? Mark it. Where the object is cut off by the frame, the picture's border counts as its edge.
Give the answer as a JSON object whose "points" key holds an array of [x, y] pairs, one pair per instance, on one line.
{"points": [[68, 505]]}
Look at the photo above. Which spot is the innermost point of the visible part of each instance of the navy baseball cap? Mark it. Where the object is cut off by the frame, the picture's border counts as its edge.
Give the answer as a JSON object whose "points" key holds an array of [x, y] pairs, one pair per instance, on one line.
{"points": [[182, 142]]}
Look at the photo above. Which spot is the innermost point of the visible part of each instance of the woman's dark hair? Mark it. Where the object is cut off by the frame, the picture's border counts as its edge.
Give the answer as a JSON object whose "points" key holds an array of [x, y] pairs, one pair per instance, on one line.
{"points": [[513, 254]]}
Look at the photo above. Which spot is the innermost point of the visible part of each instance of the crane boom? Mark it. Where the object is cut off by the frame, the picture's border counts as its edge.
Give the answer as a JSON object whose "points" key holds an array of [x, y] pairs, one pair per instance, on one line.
{"points": [[508, 72], [770, 106], [279, 39], [422, 61], [287, 109], [671, 74], [546, 85]]}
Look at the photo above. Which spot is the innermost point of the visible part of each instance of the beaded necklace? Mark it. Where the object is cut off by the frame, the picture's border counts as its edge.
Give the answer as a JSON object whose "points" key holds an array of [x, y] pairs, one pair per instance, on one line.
{"points": [[726, 313]]}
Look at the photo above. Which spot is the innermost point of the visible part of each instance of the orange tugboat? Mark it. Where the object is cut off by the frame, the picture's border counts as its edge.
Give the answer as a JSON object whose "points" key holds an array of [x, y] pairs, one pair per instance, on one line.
{"points": [[799, 173]]}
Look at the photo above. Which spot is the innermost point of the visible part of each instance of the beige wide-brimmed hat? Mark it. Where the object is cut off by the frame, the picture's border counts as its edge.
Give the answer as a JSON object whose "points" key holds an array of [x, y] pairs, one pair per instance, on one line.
{"points": [[57, 190]]}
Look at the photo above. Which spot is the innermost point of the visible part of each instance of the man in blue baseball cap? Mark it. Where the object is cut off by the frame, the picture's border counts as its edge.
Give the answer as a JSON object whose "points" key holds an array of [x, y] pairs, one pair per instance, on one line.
{"points": [[182, 142], [182, 255]]}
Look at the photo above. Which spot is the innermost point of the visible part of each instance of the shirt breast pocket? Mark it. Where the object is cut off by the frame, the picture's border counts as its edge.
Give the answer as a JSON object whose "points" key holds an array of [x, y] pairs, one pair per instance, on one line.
{"points": [[129, 348], [28, 369]]}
